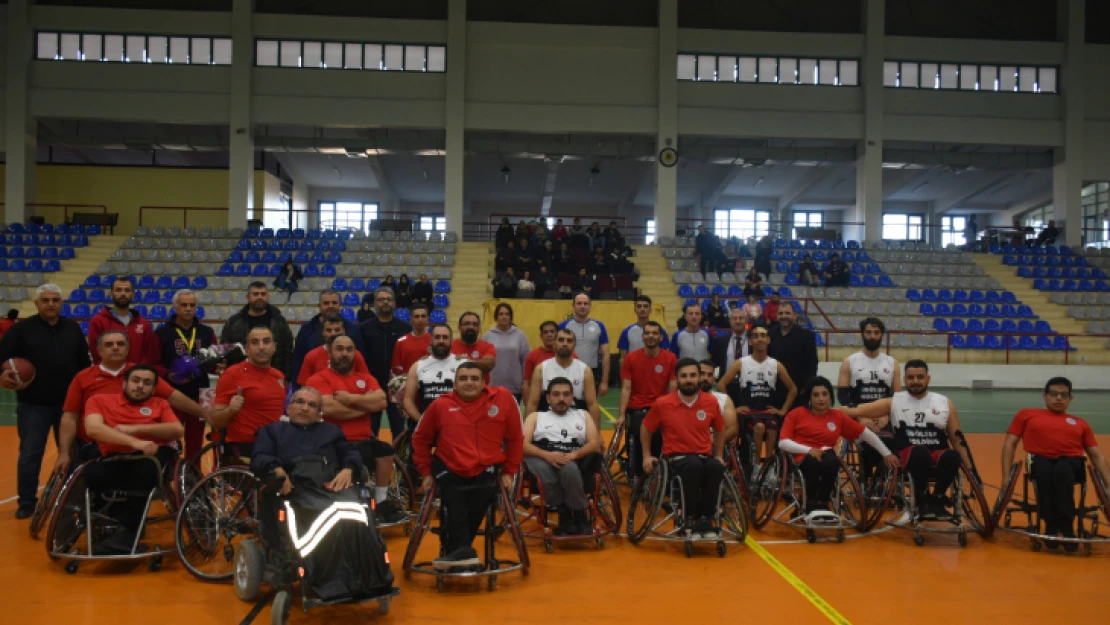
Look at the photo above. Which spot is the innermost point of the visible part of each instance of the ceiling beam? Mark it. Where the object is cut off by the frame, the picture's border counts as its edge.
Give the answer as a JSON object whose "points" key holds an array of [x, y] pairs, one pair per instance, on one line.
{"points": [[1006, 217], [905, 178], [955, 198], [645, 176], [730, 175], [379, 175], [810, 180]]}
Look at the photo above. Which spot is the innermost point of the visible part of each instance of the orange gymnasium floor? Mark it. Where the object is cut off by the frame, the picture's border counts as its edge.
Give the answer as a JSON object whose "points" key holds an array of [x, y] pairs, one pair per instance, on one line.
{"points": [[876, 579]]}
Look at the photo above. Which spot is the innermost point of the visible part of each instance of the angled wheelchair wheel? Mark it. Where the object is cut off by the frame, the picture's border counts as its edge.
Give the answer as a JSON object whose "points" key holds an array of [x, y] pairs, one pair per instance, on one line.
{"points": [[733, 512], [400, 486], [736, 469], [608, 504], [1102, 490], [185, 477], [1002, 504], [613, 451], [877, 494], [68, 520], [419, 529], [767, 488], [513, 526], [219, 512], [851, 498], [47, 500], [646, 501], [974, 504]]}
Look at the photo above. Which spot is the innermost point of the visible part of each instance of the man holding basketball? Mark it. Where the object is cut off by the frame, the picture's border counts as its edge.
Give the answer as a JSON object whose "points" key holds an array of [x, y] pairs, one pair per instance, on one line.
{"points": [[52, 344]]}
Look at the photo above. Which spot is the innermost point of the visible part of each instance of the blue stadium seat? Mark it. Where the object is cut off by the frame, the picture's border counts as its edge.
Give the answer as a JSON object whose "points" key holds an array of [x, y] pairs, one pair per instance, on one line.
{"points": [[992, 325], [886, 282], [940, 324], [292, 245], [260, 271], [200, 312], [438, 316], [226, 269], [441, 301], [926, 309], [77, 296], [92, 282], [357, 284], [960, 295], [324, 246], [402, 314], [993, 342], [308, 246], [944, 310], [945, 295], [33, 252], [848, 257], [992, 296], [282, 233], [49, 252], [1042, 327], [339, 245], [855, 280], [870, 281], [960, 310], [768, 292], [1024, 272], [718, 289], [163, 282], [976, 296], [258, 245], [928, 295], [269, 257], [1061, 343], [1009, 326], [339, 284], [1025, 325], [1025, 311], [243, 270], [441, 286], [349, 314], [1009, 310], [199, 283], [913, 295], [157, 313], [735, 291], [298, 233], [1040, 284], [858, 268], [351, 299], [1043, 343], [701, 290], [52, 266], [335, 258], [820, 340], [685, 290], [17, 264], [957, 325], [853, 245], [35, 265], [975, 342], [252, 257], [82, 311], [302, 258], [180, 282], [958, 341], [1040, 272], [152, 296], [67, 253], [97, 296], [311, 271], [235, 257], [785, 292], [1009, 259], [974, 325]]}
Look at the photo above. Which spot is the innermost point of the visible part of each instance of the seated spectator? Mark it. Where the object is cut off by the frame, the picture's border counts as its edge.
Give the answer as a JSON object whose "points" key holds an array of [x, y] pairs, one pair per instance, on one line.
{"points": [[562, 260], [545, 281], [613, 238], [559, 232], [504, 285], [618, 261], [403, 292], [545, 255], [526, 255], [525, 285], [578, 237], [541, 236], [771, 309], [752, 309], [716, 315], [584, 282], [506, 256], [366, 310], [1049, 234], [726, 260], [422, 292], [598, 262], [753, 283], [288, 278], [523, 231], [596, 236], [808, 273], [837, 272], [504, 234], [390, 282], [763, 251]]}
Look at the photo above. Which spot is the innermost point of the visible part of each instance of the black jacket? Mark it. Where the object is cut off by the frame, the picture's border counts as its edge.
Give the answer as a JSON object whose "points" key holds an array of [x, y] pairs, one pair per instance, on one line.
{"points": [[796, 351], [422, 292], [57, 351], [720, 351], [280, 443], [378, 339], [236, 329], [174, 346]]}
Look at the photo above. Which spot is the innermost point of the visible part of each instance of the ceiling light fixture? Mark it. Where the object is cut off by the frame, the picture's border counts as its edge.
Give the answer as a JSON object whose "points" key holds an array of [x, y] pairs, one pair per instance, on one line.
{"points": [[425, 174], [758, 182], [505, 172], [338, 174]]}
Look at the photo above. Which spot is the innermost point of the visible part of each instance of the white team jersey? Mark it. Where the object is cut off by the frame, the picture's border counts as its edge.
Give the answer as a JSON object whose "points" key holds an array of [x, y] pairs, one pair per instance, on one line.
{"points": [[758, 381], [435, 377], [722, 398], [576, 373], [872, 378], [921, 422], [560, 433]]}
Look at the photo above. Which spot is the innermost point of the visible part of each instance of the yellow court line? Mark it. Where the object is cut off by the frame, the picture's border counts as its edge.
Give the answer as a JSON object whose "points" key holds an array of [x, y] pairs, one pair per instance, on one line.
{"points": [[605, 412], [797, 583]]}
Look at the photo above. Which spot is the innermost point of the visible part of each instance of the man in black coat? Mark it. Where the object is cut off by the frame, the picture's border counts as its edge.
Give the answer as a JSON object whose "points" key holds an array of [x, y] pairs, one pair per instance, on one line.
{"points": [[379, 335], [730, 347], [794, 347]]}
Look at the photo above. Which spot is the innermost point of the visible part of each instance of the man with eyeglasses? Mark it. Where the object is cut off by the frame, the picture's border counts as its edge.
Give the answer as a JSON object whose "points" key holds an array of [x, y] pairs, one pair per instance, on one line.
{"points": [[379, 335], [1057, 442]]}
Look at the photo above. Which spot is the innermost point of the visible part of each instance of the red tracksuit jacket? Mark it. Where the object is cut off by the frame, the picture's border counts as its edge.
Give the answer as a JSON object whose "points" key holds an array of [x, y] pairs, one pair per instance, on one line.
{"points": [[468, 436], [144, 347]]}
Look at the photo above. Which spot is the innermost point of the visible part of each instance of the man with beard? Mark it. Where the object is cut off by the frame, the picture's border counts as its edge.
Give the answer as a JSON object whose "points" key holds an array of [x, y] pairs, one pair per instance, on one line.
{"points": [[311, 334], [927, 436], [146, 349], [794, 346], [707, 381], [646, 375], [693, 432], [258, 313], [431, 376], [470, 347], [379, 335], [184, 335], [134, 420], [760, 380], [249, 395], [631, 338], [593, 340], [349, 397], [866, 376], [548, 330], [108, 378], [562, 447], [564, 365], [414, 345], [316, 360], [477, 436]]}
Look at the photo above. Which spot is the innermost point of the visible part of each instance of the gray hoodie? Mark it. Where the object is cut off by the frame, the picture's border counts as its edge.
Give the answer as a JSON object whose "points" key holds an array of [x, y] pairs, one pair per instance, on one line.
{"points": [[512, 350]]}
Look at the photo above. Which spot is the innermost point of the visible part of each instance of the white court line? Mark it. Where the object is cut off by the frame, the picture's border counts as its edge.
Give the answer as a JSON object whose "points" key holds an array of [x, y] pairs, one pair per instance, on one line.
{"points": [[11, 499]]}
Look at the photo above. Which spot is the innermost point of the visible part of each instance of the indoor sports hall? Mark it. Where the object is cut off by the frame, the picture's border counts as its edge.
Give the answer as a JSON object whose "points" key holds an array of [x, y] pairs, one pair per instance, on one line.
{"points": [[910, 198]]}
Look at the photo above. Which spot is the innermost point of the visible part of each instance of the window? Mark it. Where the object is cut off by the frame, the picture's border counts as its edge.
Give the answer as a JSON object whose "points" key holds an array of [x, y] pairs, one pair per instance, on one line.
{"points": [[430, 223], [952, 231], [741, 223], [51, 46], [803, 219], [347, 215], [349, 55], [969, 76], [768, 69], [277, 218], [649, 232], [1096, 216], [902, 227]]}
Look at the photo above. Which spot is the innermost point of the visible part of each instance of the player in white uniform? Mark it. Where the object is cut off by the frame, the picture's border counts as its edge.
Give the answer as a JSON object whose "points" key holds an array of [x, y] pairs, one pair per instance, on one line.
{"points": [[564, 365], [761, 380], [562, 447], [432, 375], [708, 382], [866, 376], [927, 436]]}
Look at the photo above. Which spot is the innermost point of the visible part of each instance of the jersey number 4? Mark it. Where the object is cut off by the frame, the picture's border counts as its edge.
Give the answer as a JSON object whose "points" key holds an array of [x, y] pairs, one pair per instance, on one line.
{"points": [[919, 418], [439, 375]]}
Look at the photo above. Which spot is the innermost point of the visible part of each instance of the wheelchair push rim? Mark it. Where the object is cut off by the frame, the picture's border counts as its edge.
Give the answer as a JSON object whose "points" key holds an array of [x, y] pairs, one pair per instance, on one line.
{"points": [[646, 502], [44, 507], [219, 509], [767, 489]]}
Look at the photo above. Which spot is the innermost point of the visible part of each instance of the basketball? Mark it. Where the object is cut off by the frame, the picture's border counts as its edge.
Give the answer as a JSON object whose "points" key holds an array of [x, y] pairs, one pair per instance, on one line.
{"points": [[24, 370]]}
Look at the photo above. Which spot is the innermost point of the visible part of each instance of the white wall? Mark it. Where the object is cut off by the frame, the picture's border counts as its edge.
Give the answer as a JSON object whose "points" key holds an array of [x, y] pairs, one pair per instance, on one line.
{"points": [[1083, 377]]}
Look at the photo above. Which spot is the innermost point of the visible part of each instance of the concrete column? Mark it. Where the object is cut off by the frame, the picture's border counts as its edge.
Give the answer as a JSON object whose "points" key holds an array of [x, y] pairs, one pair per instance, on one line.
{"points": [[240, 171], [455, 122], [666, 136], [869, 160], [20, 128], [1067, 173]]}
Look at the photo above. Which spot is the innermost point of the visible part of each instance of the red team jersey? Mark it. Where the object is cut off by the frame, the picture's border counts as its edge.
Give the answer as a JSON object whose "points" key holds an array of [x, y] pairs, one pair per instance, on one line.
{"points": [[118, 410], [408, 350], [685, 428], [318, 360], [1052, 435], [264, 394], [649, 376], [328, 382], [805, 428], [478, 350], [96, 380]]}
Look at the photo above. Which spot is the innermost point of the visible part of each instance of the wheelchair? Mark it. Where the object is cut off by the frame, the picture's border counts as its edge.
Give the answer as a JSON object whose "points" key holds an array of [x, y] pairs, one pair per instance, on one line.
{"points": [[880, 492], [80, 519], [662, 491], [500, 518], [1087, 515], [780, 480], [282, 566], [403, 465], [616, 457], [969, 509], [533, 514]]}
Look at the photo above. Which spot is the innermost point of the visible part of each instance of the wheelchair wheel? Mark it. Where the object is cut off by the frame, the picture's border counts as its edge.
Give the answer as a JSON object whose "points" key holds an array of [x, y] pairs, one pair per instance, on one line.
{"points": [[186, 475], [974, 505], [249, 566], [506, 505], [613, 451], [646, 501], [852, 500], [1002, 504], [400, 486], [279, 610], [608, 504], [418, 530], [733, 517], [877, 495], [216, 515], [68, 519], [1102, 490], [47, 501], [767, 488]]}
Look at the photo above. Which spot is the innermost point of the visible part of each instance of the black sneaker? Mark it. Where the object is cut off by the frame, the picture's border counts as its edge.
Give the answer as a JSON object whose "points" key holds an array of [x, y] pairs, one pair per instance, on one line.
{"points": [[25, 512], [388, 512], [567, 525], [582, 524], [463, 557], [940, 508], [1069, 546], [928, 510], [692, 526]]}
